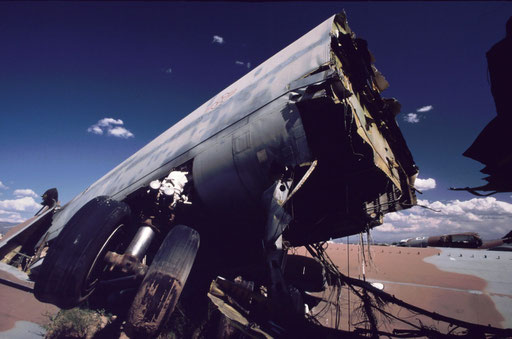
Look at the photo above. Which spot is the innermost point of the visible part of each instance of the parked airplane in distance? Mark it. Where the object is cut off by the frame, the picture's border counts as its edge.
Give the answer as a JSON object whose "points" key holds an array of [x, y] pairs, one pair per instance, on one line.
{"points": [[459, 240]]}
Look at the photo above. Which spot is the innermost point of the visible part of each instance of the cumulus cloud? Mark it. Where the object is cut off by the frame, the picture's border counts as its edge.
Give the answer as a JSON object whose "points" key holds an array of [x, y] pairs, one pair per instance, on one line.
{"points": [[487, 216], [120, 132], [15, 217], [106, 122], [2, 186], [218, 40], [425, 184], [25, 204], [412, 118], [425, 109], [95, 129], [110, 126], [25, 193]]}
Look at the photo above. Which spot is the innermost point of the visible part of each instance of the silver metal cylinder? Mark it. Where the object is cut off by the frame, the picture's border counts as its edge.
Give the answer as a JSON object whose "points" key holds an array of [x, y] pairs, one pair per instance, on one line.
{"points": [[141, 242]]}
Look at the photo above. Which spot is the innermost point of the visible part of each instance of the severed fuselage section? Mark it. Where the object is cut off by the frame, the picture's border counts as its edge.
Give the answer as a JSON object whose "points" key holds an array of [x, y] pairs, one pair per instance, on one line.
{"points": [[300, 150]]}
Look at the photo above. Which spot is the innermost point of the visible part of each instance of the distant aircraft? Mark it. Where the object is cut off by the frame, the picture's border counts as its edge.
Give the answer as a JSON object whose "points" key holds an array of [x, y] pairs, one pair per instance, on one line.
{"points": [[459, 240], [301, 149]]}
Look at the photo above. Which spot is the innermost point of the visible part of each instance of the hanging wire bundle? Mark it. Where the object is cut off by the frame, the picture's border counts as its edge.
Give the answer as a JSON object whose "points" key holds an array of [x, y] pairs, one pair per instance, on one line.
{"points": [[373, 302]]}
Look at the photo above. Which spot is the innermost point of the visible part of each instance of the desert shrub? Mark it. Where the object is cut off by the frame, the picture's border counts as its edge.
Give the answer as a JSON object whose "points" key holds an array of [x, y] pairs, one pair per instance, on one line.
{"points": [[75, 323]]}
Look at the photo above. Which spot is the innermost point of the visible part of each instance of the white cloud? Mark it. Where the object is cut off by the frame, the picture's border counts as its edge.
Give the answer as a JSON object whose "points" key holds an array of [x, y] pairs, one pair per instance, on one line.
{"points": [[425, 184], [2, 186], [425, 109], [25, 204], [25, 193], [487, 216], [412, 118], [218, 40], [120, 132], [106, 122], [95, 129], [15, 217], [241, 63], [110, 126]]}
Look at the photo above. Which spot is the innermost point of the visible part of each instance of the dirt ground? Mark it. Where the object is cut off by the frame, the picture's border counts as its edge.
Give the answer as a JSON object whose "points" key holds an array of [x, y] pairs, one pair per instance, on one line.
{"points": [[402, 271], [19, 304], [406, 275]]}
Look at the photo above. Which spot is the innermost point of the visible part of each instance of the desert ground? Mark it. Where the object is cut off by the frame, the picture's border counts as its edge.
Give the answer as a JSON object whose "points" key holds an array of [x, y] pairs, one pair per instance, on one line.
{"points": [[470, 285]]}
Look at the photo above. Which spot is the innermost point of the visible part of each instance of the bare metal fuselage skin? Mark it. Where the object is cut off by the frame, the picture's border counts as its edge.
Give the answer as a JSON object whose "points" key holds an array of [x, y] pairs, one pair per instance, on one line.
{"points": [[300, 106]]}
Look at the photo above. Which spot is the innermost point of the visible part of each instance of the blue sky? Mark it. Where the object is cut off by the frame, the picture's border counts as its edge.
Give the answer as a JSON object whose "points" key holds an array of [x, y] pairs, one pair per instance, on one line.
{"points": [[65, 67]]}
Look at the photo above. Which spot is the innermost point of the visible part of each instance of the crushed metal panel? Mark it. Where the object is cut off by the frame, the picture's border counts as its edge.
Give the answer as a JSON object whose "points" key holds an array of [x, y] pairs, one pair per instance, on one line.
{"points": [[366, 126]]}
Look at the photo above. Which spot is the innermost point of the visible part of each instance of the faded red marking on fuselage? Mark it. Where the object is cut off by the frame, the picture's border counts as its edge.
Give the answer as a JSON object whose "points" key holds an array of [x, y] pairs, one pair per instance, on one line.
{"points": [[219, 101]]}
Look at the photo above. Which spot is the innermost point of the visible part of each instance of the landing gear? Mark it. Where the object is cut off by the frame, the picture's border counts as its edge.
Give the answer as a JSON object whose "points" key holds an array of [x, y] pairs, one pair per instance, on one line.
{"points": [[161, 288], [275, 254], [75, 261]]}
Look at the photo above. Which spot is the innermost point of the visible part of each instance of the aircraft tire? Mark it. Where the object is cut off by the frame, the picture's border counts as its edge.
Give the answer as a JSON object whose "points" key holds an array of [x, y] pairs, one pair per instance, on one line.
{"points": [[74, 263], [161, 288]]}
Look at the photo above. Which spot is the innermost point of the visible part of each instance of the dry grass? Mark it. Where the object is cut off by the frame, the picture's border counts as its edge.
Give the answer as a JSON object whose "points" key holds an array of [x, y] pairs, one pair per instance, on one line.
{"points": [[76, 323]]}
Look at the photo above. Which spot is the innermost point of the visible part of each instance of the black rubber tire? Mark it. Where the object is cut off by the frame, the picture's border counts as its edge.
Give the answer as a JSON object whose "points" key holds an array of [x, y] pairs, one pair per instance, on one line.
{"points": [[74, 263], [161, 288]]}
